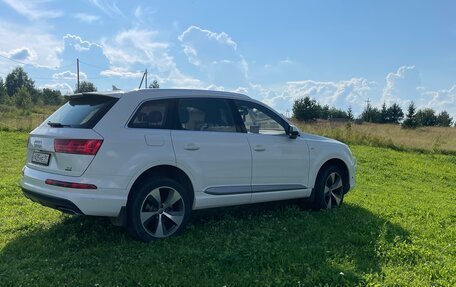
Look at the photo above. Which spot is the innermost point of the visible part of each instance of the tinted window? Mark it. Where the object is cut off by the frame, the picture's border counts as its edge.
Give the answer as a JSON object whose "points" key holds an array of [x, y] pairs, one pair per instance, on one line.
{"points": [[151, 115], [260, 120], [202, 114], [82, 112]]}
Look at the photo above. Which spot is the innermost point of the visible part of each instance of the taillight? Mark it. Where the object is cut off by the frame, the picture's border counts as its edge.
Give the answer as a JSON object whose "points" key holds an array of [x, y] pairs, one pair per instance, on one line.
{"points": [[77, 146], [70, 184]]}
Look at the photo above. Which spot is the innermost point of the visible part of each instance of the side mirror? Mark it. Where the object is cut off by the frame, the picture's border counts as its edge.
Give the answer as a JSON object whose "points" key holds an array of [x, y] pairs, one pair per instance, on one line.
{"points": [[293, 131]]}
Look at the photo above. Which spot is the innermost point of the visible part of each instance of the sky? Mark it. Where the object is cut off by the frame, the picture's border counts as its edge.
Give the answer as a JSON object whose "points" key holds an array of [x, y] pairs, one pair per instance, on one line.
{"points": [[341, 53]]}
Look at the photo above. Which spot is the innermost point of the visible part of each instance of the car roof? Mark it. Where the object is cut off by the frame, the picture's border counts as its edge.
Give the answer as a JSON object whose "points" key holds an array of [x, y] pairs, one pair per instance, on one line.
{"points": [[171, 93]]}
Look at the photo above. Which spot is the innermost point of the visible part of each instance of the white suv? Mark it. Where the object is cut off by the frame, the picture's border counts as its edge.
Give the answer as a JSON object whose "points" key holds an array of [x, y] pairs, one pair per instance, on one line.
{"points": [[147, 158]]}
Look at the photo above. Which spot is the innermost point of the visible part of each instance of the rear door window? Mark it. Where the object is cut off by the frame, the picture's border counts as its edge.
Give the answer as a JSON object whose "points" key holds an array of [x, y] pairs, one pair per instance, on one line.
{"points": [[205, 114], [81, 112], [151, 115]]}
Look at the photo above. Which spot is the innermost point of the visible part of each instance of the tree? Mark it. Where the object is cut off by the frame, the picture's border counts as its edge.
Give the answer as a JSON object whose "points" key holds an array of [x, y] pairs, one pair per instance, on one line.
{"points": [[395, 114], [23, 99], [444, 119], [426, 118], [371, 114], [85, 87], [3, 93], [323, 112], [350, 114], [154, 85], [51, 97], [384, 114], [306, 109], [410, 119], [336, 113], [17, 79]]}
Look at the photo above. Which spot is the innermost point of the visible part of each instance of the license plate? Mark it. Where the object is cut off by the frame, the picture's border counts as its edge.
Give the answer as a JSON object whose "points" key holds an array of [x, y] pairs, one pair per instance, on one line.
{"points": [[41, 158]]}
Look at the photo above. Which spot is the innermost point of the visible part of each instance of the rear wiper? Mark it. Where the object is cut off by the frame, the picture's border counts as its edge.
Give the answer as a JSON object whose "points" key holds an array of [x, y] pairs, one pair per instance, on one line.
{"points": [[57, 125]]}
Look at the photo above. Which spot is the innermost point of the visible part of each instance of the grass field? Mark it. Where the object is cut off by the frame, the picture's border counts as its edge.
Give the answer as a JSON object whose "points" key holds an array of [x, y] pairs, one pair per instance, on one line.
{"points": [[433, 139], [397, 227], [13, 119]]}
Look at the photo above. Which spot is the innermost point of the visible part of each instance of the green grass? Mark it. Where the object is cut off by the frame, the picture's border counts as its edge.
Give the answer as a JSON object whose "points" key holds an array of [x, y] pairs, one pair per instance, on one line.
{"points": [[397, 227]]}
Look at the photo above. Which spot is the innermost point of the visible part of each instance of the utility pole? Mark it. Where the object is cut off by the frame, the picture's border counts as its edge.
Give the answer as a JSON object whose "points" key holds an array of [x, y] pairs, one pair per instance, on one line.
{"points": [[77, 68], [146, 78], [142, 79]]}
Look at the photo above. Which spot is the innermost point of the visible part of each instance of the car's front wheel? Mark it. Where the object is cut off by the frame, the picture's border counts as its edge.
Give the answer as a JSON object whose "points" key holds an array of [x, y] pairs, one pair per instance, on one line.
{"points": [[329, 188], [158, 208]]}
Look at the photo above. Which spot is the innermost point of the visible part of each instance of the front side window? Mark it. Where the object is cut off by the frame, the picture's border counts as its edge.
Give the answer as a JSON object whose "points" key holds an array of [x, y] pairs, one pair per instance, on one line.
{"points": [[151, 115], [205, 114], [260, 120]]}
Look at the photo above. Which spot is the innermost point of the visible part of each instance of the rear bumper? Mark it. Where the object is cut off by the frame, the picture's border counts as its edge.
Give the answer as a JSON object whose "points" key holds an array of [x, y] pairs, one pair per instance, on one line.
{"points": [[63, 205], [98, 202]]}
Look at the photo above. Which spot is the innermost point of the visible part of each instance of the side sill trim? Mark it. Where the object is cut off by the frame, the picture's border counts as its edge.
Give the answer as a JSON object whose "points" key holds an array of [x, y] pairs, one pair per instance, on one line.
{"points": [[242, 189]]}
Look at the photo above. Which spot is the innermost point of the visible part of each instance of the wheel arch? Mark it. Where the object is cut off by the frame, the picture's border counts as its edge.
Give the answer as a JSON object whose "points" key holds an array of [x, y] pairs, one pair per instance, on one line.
{"points": [[340, 164], [167, 171]]}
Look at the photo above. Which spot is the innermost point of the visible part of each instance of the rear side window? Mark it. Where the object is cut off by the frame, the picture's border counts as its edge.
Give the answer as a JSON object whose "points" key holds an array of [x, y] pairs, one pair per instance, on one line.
{"points": [[203, 114], [151, 115], [82, 112]]}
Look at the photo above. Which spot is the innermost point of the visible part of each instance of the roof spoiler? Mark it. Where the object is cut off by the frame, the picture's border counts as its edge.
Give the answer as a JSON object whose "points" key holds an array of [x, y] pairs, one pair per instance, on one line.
{"points": [[114, 94]]}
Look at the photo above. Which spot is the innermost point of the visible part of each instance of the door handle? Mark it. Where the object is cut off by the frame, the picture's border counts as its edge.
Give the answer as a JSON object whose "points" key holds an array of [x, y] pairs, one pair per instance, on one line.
{"points": [[259, 148], [191, 147]]}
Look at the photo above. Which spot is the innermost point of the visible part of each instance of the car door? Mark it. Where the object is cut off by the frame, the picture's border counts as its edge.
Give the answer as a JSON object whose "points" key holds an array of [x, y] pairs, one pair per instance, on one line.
{"points": [[211, 147], [280, 164]]}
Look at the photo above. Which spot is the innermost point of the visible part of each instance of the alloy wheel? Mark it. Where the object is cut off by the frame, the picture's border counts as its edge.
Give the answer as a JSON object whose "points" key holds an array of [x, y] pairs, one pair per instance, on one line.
{"points": [[334, 190], [162, 211]]}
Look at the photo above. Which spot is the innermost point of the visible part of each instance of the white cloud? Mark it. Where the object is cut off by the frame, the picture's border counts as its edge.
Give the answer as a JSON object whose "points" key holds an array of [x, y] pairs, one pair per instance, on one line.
{"points": [[86, 18], [33, 9], [64, 88], [286, 62], [121, 72], [441, 100], [68, 75], [110, 8], [241, 90], [124, 52], [402, 86], [78, 43], [21, 54], [215, 55], [40, 48], [142, 14], [222, 37], [341, 94], [202, 46]]}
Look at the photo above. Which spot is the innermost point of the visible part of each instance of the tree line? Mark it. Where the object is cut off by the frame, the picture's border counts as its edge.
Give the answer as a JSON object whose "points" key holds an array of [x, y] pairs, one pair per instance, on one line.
{"points": [[308, 109], [19, 90]]}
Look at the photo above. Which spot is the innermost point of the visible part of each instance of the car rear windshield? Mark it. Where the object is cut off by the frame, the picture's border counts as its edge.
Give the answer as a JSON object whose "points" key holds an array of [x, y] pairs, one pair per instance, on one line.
{"points": [[81, 112]]}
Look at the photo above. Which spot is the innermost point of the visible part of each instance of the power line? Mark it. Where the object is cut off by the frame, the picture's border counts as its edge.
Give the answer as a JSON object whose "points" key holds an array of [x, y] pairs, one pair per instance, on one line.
{"points": [[22, 63], [16, 61], [93, 66]]}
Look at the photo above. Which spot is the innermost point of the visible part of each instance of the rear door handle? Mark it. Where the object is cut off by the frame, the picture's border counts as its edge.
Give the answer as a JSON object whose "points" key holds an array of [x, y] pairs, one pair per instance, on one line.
{"points": [[191, 146], [259, 148]]}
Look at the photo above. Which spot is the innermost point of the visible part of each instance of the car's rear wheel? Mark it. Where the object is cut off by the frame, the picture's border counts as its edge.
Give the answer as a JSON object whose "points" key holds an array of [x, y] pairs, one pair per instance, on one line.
{"points": [[158, 208], [329, 188]]}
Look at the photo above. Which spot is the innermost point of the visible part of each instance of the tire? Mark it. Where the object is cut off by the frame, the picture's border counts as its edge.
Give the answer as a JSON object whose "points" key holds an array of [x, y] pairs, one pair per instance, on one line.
{"points": [[158, 208], [329, 188]]}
